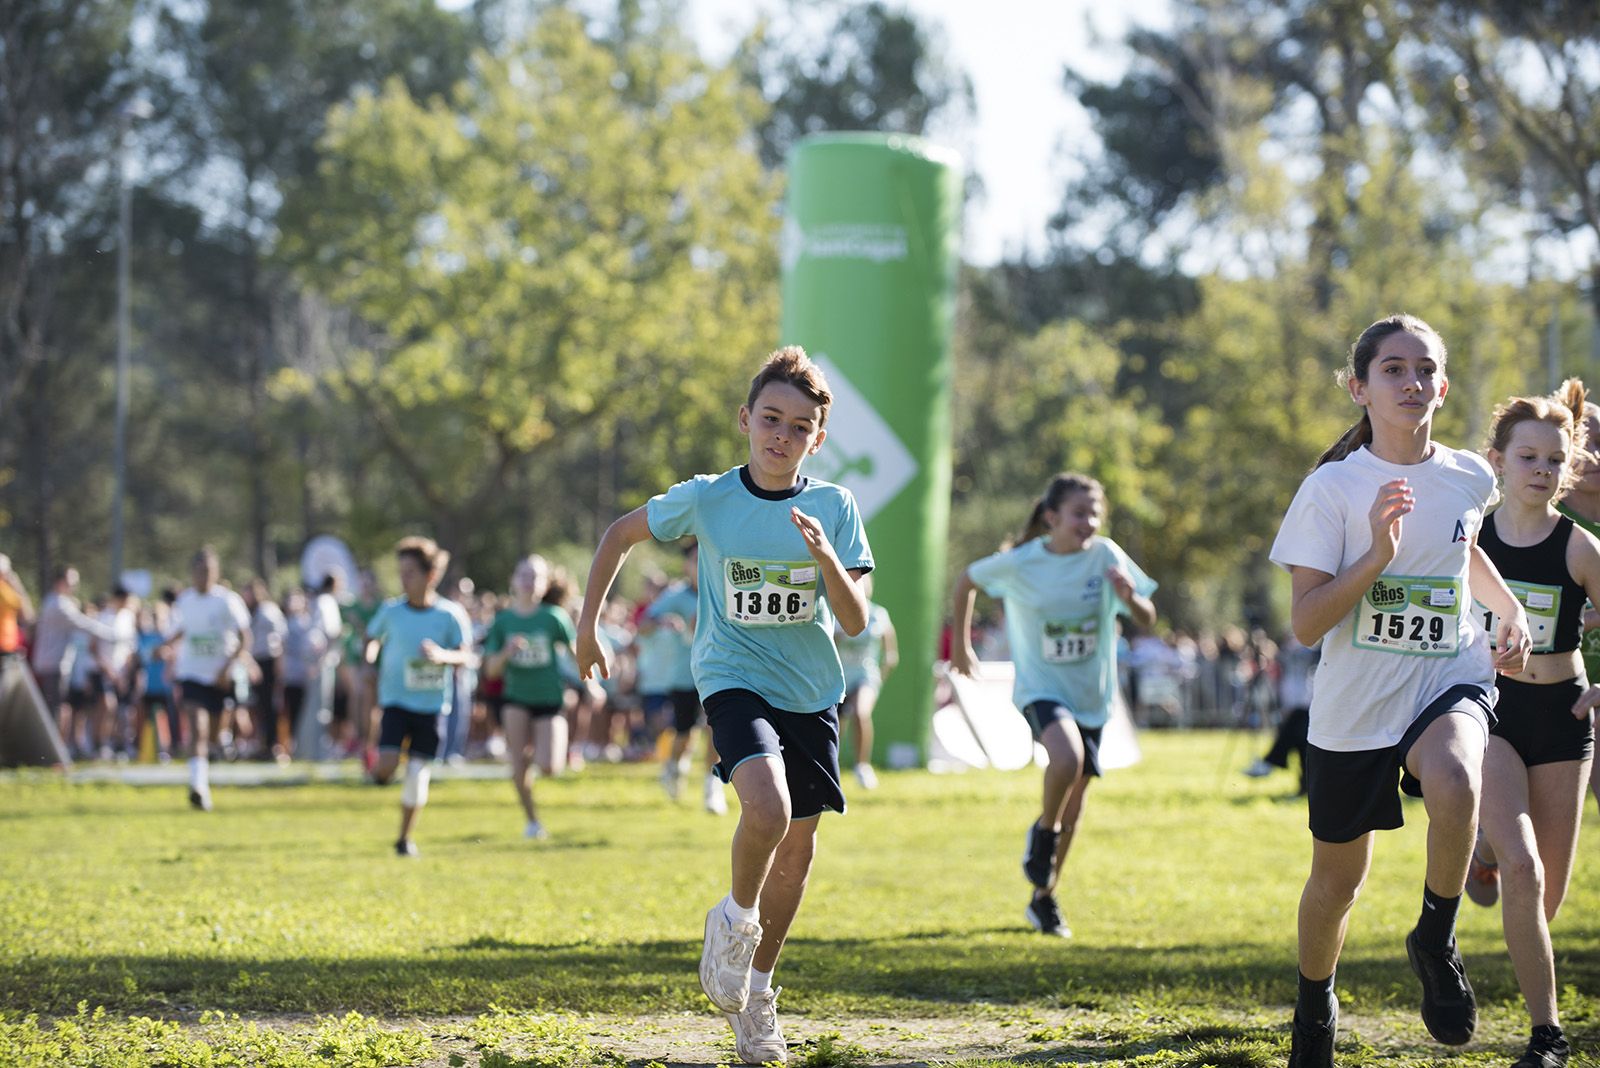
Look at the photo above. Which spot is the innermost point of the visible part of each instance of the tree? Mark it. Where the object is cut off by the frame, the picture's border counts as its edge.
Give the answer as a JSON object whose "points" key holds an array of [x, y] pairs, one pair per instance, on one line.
{"points": [[62, 76], [1522, 102], [873, 69], [578, 240], [254, 86]]}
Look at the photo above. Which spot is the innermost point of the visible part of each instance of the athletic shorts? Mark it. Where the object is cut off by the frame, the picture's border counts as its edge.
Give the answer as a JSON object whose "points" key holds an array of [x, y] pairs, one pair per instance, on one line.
{"points": [[423, 729], [535, 711], [1356, 792], [211, 698], [1040, 714], [496, 704], [745, 727], [1536, 718]]}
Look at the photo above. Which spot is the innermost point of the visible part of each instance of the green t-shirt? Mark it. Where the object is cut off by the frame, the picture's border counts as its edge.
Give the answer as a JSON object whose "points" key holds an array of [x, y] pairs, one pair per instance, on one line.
{"points": [[357, 616], [533, 675], [1589, 644]]}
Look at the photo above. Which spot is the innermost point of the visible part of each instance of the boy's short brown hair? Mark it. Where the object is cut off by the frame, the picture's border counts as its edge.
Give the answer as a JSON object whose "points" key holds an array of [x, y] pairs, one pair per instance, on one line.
{"points": [[425, 551], [792, 366]]}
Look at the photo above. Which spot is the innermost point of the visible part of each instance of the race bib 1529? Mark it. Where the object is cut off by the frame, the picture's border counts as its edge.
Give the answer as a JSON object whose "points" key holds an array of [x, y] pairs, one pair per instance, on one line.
{"points": [[1410, 614]]}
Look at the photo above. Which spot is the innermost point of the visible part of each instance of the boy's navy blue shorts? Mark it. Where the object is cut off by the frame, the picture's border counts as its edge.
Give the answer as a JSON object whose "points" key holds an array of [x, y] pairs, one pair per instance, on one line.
{"points": [[423, 728], [745, 727]]}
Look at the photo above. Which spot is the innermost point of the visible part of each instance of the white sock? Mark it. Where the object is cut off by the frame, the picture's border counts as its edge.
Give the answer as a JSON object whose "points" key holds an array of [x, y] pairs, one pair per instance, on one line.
{"points": [[760, 982], [737, 913], [199, 773]]}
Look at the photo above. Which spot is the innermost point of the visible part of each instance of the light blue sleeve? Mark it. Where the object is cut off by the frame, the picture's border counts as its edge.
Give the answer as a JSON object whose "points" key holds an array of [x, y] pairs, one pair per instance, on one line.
{"points": [[994, 574], [850, 535], [1143, 584], [675, 513]]}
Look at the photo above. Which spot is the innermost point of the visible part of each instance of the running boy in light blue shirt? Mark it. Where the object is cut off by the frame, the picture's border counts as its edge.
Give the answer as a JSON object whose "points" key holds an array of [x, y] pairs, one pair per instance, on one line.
{"points": [[417, 642], [780, 556]]}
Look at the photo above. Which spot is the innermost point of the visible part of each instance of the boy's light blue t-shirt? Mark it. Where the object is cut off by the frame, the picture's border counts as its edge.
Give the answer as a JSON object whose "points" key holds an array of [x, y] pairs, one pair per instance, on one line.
{"points": [[763, 622], [405, 679], [1061, 621], [665, 655]]}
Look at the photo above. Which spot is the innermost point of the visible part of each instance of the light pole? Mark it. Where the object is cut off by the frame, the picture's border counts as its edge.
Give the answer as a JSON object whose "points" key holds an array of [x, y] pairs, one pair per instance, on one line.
{"points": [[137, 108]]}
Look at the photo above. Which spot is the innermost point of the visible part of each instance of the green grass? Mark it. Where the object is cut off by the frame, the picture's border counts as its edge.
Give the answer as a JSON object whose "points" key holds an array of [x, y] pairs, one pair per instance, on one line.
{"points": [[281, 930]]}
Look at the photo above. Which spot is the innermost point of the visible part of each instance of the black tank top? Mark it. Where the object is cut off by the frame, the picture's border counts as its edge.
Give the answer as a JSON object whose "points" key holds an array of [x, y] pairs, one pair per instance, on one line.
{"points": [[1544, 564]]}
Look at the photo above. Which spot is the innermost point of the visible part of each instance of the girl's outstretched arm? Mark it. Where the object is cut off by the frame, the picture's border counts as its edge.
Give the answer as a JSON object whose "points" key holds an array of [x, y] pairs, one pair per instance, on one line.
{"points": [[962, 658]]}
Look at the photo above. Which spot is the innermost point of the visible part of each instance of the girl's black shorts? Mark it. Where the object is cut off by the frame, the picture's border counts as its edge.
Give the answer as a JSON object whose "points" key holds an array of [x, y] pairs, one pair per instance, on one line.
{"points": [[1536, 718], [1352, 793]]}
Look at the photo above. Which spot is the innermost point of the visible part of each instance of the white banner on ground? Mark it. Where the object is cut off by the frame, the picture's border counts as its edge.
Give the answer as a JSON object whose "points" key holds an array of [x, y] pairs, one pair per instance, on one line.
{"points": [[986, 719]]}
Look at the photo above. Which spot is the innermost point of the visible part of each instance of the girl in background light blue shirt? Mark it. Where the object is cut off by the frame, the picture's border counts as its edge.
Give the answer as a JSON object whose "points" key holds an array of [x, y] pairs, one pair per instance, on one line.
{"points": [[1063, 588]]}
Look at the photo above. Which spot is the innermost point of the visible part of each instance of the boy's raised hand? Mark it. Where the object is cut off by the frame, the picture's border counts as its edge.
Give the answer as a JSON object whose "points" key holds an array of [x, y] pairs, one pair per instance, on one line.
{"points": [[817, 543]]}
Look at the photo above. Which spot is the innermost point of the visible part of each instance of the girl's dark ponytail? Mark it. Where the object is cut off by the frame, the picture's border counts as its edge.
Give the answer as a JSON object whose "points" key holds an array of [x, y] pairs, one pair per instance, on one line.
{"points": [[1353, 439], [1035, 527]]}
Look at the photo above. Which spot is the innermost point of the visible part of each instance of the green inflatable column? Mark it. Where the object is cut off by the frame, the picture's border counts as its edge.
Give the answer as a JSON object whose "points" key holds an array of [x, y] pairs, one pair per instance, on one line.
{"points": [[870, 251]]}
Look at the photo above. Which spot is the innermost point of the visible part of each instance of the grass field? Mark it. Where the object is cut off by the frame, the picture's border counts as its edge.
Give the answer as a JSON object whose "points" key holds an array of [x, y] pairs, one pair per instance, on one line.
{"points": [[281, 930]]}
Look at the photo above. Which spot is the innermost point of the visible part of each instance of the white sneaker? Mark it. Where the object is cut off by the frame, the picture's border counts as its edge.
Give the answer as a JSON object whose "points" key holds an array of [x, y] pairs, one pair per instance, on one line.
{"points": [[1259, 770], [757, 1038], [670, 780], [716, 799], [866, 777], [535, 830], [725, 960]]}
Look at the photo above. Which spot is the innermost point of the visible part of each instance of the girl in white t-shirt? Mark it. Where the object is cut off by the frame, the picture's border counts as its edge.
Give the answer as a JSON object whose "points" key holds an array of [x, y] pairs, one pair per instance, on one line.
{"points": [[1381, 545]]}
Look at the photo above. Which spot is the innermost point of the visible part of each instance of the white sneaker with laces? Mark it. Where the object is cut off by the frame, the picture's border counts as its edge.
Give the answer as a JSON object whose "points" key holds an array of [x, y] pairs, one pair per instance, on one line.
{"points": [[757, 1038], [725, 960], [866, 777], [535, 830], [716, 799]]}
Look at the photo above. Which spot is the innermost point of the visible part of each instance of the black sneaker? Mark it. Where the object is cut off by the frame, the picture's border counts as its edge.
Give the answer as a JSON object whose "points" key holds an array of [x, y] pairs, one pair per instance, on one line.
{"points": [[1045, 916], [1449, 1009], [1039, 859], [200, 799], [405, 847], [1545, 1051], [1311, 1044]]}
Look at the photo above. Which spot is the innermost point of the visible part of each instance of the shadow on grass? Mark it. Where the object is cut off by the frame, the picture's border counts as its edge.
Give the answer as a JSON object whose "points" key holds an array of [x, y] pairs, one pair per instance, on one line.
{"points": [[936, 970]]}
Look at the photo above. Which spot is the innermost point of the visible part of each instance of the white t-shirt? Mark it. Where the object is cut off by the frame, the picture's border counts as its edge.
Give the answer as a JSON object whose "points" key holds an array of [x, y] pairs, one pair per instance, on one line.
{"points": [[1412, 636], [210, 623], [120, 649]]}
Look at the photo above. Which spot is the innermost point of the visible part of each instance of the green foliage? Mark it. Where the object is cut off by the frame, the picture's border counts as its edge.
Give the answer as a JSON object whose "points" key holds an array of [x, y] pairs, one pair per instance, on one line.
{"points": [[578, 240], [876, 67], [831, 1050]]}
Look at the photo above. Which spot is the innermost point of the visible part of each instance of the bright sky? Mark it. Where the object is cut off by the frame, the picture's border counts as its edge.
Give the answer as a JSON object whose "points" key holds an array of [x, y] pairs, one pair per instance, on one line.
{"points": [[1026, 126]]}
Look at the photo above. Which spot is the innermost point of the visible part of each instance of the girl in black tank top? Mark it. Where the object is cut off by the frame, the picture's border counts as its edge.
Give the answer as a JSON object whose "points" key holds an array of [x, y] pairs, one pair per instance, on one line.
{"points": [[1537, 761], [1539, 576]]}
